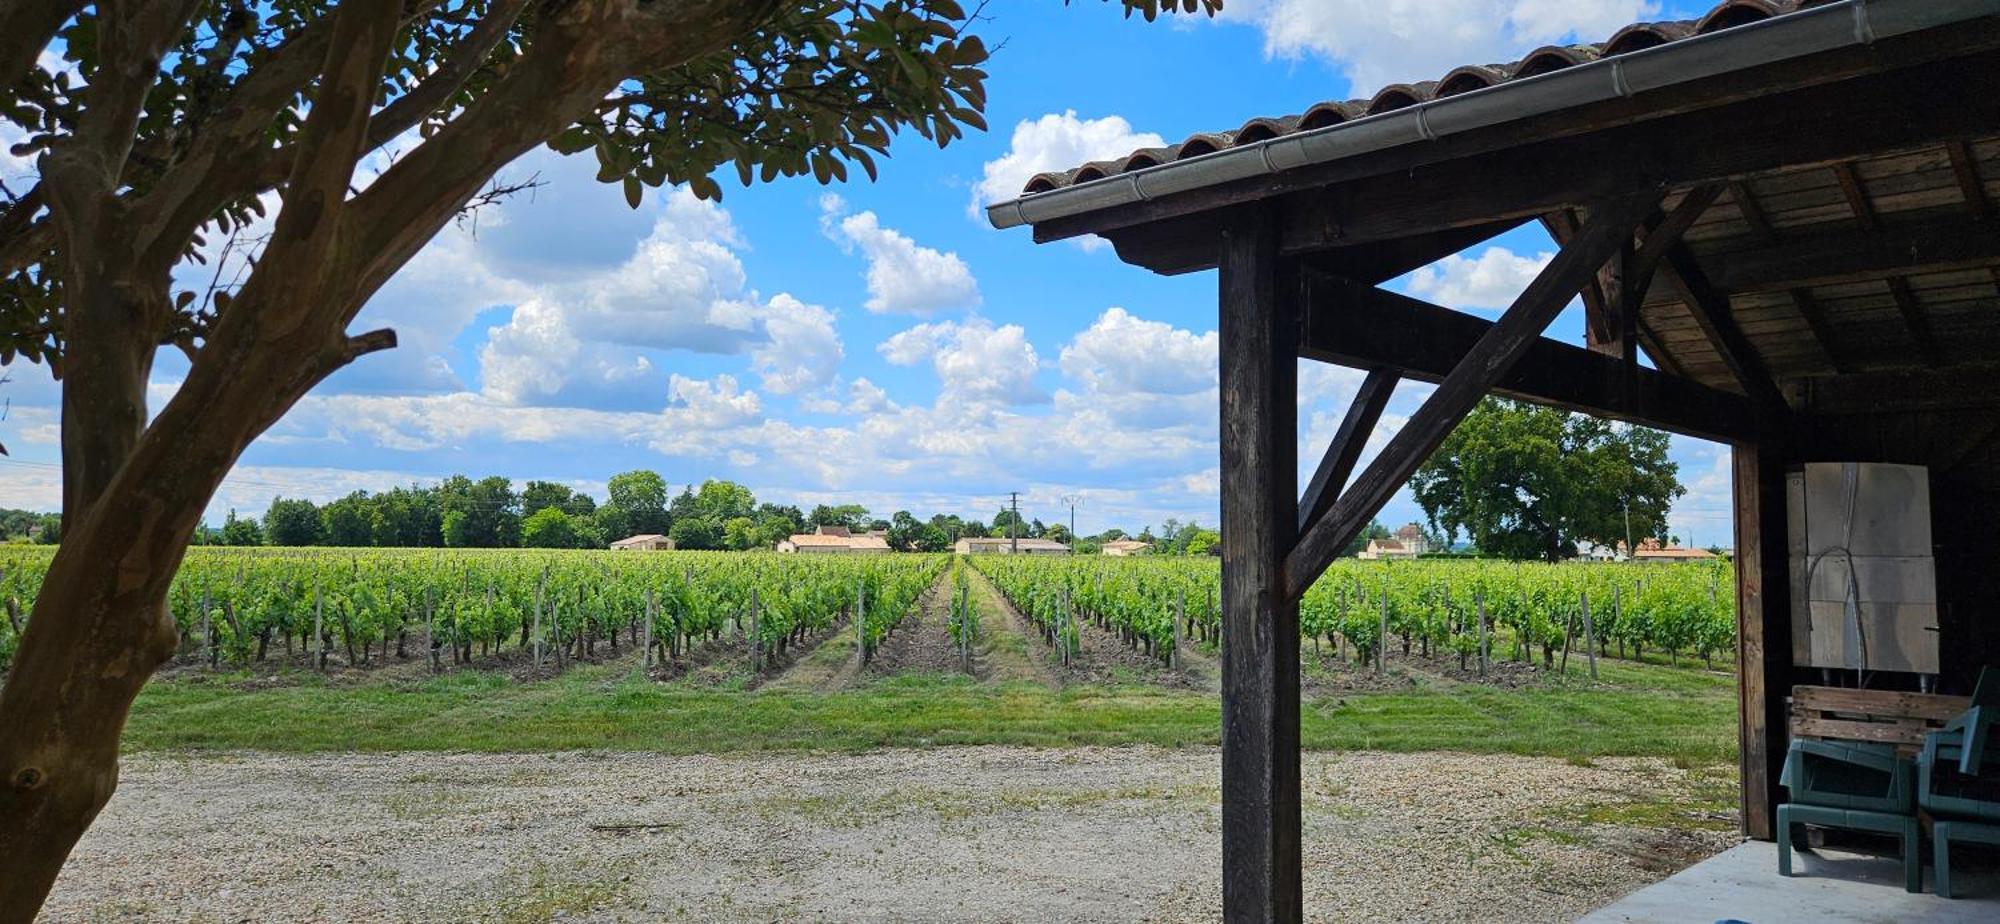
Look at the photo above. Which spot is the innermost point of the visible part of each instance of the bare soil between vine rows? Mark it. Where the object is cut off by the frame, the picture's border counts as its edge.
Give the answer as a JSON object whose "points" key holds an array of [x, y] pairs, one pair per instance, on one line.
{"points": [[989, 834]]}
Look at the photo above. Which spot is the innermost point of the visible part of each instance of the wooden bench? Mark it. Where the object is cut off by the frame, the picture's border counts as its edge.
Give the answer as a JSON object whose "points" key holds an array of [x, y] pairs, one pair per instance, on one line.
{"points": [[1880, 716]]}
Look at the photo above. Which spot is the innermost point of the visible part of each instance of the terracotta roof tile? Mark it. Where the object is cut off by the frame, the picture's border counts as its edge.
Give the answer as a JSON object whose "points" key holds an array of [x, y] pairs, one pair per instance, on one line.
{"points": [[1466, 79]]}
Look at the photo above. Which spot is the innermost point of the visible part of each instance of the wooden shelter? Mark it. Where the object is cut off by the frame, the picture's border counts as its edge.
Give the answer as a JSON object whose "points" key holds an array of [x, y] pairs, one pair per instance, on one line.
{"points": [[1787, 206]]}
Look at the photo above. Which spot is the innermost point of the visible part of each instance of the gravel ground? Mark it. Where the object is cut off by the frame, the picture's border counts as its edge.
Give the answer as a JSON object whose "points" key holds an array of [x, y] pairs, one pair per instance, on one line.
{"points": [[963, 834]]}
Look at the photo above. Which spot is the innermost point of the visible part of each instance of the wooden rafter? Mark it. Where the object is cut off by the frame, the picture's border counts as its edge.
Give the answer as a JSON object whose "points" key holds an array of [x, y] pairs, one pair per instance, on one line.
{"points": [[1856, 194], [1345, 448], [1917, 320], [1711, 312], [1814, 314], [1967, 173], [1600, 295], [1609, 227], [1753, 211]]}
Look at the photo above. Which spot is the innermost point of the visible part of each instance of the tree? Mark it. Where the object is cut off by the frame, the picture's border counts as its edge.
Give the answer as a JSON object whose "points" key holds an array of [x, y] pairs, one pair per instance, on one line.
{"points": [[537, 495], [348, 521], [640, 499], [240, 530], [1525, 481], [479, 514], [1198, 541], [740, 533], [696, 533], [724, 500], [291, 522], [851, 516], [408, 518], [549, 528], [170, 127]]}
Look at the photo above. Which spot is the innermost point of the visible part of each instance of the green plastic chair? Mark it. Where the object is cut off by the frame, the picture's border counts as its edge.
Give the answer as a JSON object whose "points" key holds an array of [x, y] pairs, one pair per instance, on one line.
{"points": [[1958, 778], [1855, 786]]}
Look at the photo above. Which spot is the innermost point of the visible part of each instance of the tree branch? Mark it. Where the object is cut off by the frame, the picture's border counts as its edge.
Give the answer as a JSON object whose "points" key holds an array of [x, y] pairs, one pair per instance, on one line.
{"points": [[437, 89], [26, 28]]}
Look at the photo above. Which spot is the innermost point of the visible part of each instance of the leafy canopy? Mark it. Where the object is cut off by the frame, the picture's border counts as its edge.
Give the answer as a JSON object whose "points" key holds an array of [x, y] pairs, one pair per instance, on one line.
{"points": [[1524, 481], [807, 88]]}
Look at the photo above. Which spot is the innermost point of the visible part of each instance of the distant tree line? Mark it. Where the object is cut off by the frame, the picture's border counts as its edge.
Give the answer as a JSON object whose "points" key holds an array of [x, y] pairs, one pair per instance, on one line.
{"points": [[490, 512]]}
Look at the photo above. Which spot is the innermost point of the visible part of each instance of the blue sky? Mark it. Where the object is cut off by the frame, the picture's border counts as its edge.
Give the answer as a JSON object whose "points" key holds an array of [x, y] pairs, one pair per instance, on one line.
{"points": [[878, 342]]}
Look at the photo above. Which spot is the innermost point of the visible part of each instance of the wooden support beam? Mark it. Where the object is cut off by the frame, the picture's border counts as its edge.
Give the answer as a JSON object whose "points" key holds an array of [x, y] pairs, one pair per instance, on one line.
{"points": [[1609, 227], [1822, 329], [1345, 448], [1763, 638], [1364, 327], [1261, 871], [1916, 320], [1938, 242], [1974, 387], [1600, 295], [1711, 312], [1969, 186], [1857, 196], [1753, 211]]}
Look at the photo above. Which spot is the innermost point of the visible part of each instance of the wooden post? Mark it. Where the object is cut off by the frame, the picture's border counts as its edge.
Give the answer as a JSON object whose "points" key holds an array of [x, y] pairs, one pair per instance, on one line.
{"points": [[319, 630], [756, 640], [646, 630], [1180, 627], [861, 616], [1589, 636], [1382, 635], [207, 632], [1485, 648], [1763, 638], [539, 588], [1261, 873]]}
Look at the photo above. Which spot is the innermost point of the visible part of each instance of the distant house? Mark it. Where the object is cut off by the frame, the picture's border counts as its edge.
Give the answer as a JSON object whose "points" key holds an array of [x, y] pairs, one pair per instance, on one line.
{"points": [[1412, 538], [1591, 551], [648, 542], [1001, 545], [835, 540], [1120, 548], [1652, 550], [1381, 549]]}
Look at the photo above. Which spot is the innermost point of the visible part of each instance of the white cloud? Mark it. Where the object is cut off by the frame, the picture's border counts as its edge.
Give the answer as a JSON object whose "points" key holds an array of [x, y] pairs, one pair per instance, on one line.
{"points": [[1379, 42], [1054, 142], [975, 361], [801, 350], [580, 339], [903, 277], [1120, 353], [1491, 280]]}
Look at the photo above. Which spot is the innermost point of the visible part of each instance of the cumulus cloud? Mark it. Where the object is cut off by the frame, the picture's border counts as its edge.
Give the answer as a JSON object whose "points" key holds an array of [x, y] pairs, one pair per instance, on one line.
{"points": [[1376, 43], [1491, 280], [975, 361], [1121, 353], [581, 340], [1054, 142], [903, 277]]}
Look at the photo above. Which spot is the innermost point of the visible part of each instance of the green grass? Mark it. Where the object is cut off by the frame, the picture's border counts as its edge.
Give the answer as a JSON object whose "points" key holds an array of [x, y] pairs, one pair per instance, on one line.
{"points": [[593, 709]]}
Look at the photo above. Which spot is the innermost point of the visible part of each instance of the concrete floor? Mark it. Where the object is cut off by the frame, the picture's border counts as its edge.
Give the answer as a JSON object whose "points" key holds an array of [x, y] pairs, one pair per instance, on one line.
{"points": [[1829, 887]]}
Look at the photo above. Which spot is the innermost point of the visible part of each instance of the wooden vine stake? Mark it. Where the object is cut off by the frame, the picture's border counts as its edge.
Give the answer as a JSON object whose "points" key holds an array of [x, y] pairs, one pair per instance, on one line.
{"points": [[1382, 637], [756, 640], [207, 631], [539, 588], [319, 629], [646, 631], [1485, 651], [1589, 636], [1180, 627], [430, 628], [861, 617]]}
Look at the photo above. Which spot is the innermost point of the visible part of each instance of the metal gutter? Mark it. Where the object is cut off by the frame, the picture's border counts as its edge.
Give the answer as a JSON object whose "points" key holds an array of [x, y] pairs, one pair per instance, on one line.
{"points": [[1832, 27]]}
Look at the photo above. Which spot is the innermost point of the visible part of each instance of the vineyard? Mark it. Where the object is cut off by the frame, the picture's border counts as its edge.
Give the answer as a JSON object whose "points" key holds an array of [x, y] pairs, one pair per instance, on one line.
{"points": [[460, 607], [1466, 608], [471, 607]]}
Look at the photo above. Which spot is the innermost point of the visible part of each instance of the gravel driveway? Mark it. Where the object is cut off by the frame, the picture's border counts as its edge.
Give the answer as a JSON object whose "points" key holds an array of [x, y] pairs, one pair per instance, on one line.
{"points": [[964, 834]]}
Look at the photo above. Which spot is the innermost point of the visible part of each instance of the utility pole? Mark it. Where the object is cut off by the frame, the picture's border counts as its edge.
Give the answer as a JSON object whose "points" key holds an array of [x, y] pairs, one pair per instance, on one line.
{"points": [[1014, 525], [1071, 500]]}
